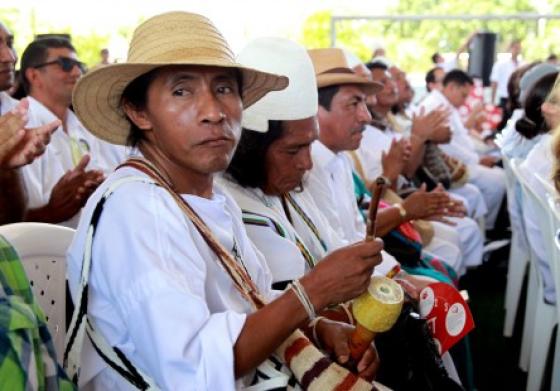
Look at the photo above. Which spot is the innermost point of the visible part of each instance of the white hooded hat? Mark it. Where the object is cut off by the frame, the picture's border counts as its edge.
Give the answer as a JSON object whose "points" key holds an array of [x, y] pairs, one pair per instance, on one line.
{"points": [[284, 57]]}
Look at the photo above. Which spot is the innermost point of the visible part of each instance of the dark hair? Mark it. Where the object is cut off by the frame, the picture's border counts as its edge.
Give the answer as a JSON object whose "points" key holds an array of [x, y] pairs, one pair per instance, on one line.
{"points": [[513, 85], [326, 95], [458, 77], [435, 57], [431, 77], [376, 65], [136, 95], [36, 53], [247, 166], [533, 122], [552, 57]]}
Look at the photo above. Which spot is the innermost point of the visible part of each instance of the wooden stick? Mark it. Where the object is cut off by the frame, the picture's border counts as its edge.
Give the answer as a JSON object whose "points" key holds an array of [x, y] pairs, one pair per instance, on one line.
{"points": [[374, 204]]}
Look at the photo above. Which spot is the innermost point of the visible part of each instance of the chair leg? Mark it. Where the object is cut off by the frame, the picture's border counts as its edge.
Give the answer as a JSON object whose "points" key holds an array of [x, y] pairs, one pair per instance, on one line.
{"points": [[516, 271], [528, 324], [542, 335]]}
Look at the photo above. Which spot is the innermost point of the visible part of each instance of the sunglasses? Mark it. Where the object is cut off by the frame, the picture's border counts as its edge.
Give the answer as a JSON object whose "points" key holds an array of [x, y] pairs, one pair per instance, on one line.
{"points": [[65, 63]]}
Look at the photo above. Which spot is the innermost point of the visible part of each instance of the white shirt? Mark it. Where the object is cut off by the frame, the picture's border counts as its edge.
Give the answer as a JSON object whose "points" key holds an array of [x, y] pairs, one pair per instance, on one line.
{"points": [[501, 72], [158, 292], [270, 231], [539, 162], [6, 102], [374, 143], [329, 183], [461, 146], [43, 174]]}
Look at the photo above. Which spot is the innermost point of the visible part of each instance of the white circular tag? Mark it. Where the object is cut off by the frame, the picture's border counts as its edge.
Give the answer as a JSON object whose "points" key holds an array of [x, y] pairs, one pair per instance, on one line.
{"points": [[455, 319], [427, 301]]}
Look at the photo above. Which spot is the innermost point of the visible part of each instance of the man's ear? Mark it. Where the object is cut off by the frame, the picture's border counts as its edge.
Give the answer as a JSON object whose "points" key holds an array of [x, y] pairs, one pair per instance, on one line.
{"points": [[138, 117], [31, 75]]}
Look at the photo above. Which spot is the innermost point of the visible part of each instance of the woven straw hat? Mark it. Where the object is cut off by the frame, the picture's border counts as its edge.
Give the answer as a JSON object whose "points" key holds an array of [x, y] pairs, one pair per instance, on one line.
{"points": [[174, 38], [299, 100], [332, 68]]}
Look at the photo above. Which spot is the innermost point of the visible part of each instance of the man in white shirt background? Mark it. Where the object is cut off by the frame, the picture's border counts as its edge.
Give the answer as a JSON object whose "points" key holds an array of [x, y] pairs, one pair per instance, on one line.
{"points": [[482, 170], [501, 72], [59, 184]]}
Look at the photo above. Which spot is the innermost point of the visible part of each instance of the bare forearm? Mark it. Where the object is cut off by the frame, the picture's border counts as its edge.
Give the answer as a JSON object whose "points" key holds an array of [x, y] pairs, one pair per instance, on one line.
{"points": [[45, 214], [13, 197], [265, 330], [387, 220]]}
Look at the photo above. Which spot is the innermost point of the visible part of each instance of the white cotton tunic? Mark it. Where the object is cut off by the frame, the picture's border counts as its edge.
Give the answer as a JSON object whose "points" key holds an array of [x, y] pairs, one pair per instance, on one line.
{"points": [[158, 292], [42, 175], [539, 162], [490, 181], [329, 183], [6, 102]]}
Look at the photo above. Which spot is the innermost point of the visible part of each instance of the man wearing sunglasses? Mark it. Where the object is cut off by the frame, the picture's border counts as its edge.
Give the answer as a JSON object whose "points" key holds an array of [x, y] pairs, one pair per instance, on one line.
{"points": [[59, 185]]}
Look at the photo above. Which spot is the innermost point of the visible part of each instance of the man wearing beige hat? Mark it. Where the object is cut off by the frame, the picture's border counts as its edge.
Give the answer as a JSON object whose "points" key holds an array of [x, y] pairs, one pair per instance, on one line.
{"points": [[165, 280]]}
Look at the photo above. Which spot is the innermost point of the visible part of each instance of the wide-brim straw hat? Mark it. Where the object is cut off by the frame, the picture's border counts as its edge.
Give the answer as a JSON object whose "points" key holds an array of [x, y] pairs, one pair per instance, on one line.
{"points": [[174, 38], [332, 68]]}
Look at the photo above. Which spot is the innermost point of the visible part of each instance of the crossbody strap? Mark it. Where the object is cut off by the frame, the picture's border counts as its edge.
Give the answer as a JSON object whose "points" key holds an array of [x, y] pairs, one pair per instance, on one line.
{"points": [[240, 276], [81, 325]]}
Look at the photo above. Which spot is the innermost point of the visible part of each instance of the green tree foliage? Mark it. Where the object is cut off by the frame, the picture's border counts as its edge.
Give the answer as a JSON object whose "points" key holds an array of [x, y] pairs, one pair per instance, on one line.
{"points": [[410, 44], [25, 26]]}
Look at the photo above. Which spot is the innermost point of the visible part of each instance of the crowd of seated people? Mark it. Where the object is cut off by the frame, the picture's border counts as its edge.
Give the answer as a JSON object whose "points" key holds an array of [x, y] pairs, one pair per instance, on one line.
{"points": [[220, 203]]}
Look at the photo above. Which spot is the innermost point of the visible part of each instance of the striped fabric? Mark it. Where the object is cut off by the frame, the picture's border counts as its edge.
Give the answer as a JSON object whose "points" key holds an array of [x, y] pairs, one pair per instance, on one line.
{"points": [[314, 370], [27, 355]]}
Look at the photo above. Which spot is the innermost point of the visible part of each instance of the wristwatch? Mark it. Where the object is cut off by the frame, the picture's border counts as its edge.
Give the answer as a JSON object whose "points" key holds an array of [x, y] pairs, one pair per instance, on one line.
{"points": [[388, 182]]}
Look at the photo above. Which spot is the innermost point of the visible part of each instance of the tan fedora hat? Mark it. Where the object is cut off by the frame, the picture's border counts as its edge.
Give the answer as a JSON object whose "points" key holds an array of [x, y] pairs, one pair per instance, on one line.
{"points": [[332, 68], [174, 38]]}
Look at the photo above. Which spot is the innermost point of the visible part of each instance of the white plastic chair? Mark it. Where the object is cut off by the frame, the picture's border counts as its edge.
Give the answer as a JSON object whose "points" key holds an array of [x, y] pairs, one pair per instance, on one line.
{"points": [[555, 217], [518, 258], [544, 315], [42, 249]]}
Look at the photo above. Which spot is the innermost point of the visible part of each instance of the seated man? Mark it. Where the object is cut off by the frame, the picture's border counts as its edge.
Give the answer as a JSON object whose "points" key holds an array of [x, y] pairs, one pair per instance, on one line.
{"points": [[379, 155], [175, 286], [266, 172], [483, 173], [341, 124], [75, 161], [265, 175]]}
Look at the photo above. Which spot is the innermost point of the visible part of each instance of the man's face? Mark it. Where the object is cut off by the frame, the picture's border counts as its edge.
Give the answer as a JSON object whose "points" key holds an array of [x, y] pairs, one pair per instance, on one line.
{"points": [[289, 157], [52, 81], [439, 75], [388, 96], [193, 117], [404, 91], [341, 127], [457, 94], [8, 59]]}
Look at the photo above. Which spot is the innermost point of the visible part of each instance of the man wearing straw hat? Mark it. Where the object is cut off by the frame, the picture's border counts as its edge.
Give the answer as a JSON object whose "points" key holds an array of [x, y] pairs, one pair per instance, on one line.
{"points": [[174, 293]]}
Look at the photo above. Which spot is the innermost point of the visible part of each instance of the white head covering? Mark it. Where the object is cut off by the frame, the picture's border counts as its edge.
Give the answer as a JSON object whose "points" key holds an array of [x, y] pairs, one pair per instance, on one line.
{"points": [[299, 100]]}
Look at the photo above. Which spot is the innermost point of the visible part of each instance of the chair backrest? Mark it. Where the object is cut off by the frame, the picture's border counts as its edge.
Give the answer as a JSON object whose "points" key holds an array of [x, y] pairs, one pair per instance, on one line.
{"points": [[533, 202], [42, 250]]}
